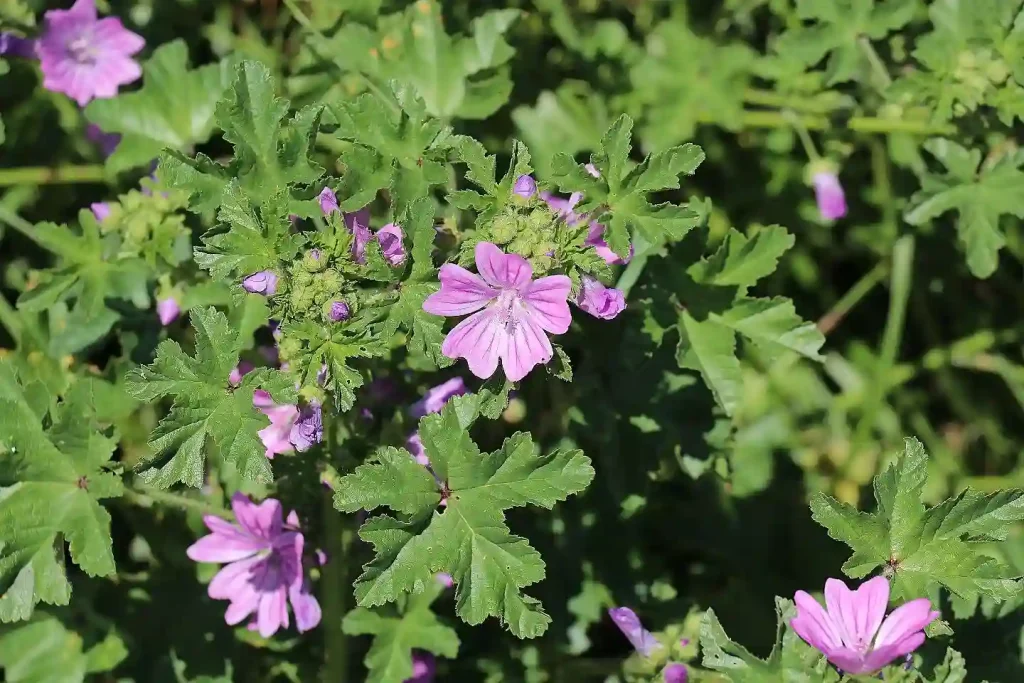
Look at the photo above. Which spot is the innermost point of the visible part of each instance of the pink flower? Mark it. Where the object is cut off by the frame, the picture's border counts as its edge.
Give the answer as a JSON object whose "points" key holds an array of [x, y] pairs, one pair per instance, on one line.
{"points": [[512, 313], [390, 240], [308, 428], [277, 437], [436, 397], [675, 673], [358, 223], [263, 282], [629, 623], [829, 194], [525, 186], [423, 667], [328, 201], [600, 301], [101, 210], [85, 57], [167, 310], [595, 238], [852, 633], [241, 370], [566, 208], [263, 571], [339, 311]]}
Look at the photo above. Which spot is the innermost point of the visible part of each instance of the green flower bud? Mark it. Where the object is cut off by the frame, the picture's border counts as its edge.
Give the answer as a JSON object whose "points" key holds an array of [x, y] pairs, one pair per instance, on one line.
{"points": [[314, 261], [289, 348], [504, 229]]}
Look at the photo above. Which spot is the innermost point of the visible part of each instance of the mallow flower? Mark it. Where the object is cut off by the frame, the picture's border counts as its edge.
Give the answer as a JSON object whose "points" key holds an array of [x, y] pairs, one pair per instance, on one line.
{"points": [[512, 313], [263, 282], [276, 438], [436, 397], [629, 623], [675, 673], [599, 301], [263, 566], [168, 310], [853, 632], [85, 57], [358, 222], [829, 195], [525, 186], [566, 209]]}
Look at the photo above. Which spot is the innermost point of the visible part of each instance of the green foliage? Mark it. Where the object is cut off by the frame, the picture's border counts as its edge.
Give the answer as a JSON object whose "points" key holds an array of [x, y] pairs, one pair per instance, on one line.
{"points": [[173, 110], [52, 480], [619, 195], [398, 630], [923, 548], [980, 192], [468, 538], [207, 413], [44, 651]]}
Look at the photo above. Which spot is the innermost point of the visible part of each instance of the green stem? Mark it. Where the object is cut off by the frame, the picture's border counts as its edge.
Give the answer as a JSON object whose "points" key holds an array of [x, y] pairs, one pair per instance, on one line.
{"points": [[805, 139], [876, 63], [53, 175], [853, 296], [15, 221], [822, 103], [859, 124], [9, 319], [148, 497], [339, 536]]}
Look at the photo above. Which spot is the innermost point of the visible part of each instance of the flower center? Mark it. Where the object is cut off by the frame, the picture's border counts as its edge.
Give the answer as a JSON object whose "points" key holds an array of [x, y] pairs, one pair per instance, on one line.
{"points": [[509, 307], [81, 50]]}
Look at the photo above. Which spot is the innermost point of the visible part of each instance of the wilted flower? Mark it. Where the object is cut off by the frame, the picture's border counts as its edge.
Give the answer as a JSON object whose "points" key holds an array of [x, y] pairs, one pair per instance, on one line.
{"points": [[829, 195], [595, 238], [85, 57], [328, 201], [600, 301], [167, 310], [264, 566], [525, 186], [308, 428], [263, 282], [390, 240], [512, 314], [852, 634], [277, 437], [629, 623]]}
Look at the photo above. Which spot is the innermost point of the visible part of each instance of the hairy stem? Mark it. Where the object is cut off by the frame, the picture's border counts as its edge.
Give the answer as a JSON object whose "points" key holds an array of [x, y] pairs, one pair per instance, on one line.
{"points": [[853, 296], [147, 498], [53, 175], [860, 124], [339, 535]]}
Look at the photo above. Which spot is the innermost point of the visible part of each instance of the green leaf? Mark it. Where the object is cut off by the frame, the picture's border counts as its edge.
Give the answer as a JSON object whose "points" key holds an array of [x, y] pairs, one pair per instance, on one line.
{"points": [[480, 170], [51, 482], [791, 660], [621, 191], [710, 348], [742, 261], [467, 537], [206, 410], [174, 108], [571, 120], [979, 193], [398, 631], [43, 651], [924, 548], [838, 28]]}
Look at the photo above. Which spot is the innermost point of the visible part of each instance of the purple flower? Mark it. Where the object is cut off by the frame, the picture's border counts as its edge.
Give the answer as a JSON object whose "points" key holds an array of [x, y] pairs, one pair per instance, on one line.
{"points": [[415, 446], [829, 194], [512, 314], [85, 57], [263, 571], [436, 397], [390, 240], [308, 428], [167, 310], [629, 623], [600, 301], [339, 311], [358, 223], [328, 201], [675, 673], [16, 46], [445, 579], [106, 141], [525, 186], [101, 210], [852, 634], [595, 238], [566, 208], [263, 282], [277, 437], [241, 370], [423, 667]]}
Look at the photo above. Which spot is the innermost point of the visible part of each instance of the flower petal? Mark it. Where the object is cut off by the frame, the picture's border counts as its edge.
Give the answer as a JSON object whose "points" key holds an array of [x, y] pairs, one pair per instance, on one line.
{"points": [[502, 270], [526, 348], [263, 520], [904, 621], [226, 544], [305, 605], [814, 625], [234, 580], [547, 302], [480, 339], [273, 612], [461, 292], [859, 613], [629, 623]]}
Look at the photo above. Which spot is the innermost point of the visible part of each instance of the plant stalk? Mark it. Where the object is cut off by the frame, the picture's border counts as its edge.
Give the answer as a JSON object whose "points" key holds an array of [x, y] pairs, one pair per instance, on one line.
{"points": [[67, 174]]}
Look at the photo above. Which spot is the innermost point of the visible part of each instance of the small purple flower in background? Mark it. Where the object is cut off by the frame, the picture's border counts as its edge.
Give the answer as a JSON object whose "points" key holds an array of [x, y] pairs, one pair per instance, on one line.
{"points": [[852, 634], [435, 398], [512, 313], [308, 428], [85, 57], [101, 210], [592, 170], [600, 301], [390, 240], [328, 201], [106, 141], [241, 370], [263, 566], [167, 310], [423, 667], [415, 446], [675, 673], [525, 186], [263, 282], [277, 437], [339, 311], [629, 623], [829, 195], [15, 46]]}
